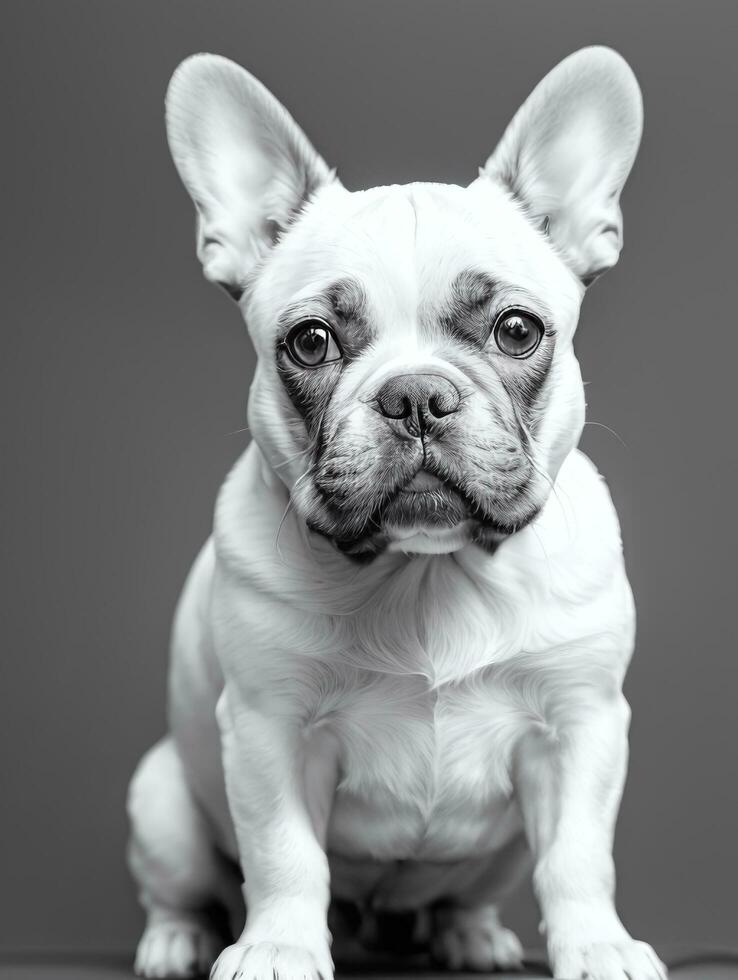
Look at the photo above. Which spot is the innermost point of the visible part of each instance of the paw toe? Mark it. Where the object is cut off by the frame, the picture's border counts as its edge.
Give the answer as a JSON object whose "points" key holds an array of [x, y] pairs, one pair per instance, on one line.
{"points": [[507, 949], [268, 961], [175, 950], [628, 960], [480, 949]]}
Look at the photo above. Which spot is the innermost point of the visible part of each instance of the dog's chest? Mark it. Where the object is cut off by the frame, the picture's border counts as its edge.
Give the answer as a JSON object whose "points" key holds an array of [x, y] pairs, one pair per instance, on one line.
{"points": [[422, 769], [427, 710]]}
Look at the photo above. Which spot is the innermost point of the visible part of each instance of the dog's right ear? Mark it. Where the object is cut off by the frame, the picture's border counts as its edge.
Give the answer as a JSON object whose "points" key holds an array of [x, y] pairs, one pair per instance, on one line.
{"points": [[246, 164]]}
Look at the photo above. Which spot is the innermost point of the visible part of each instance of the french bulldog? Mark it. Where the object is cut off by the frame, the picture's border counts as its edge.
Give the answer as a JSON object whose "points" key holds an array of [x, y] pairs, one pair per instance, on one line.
{"points": [[396, 666]]}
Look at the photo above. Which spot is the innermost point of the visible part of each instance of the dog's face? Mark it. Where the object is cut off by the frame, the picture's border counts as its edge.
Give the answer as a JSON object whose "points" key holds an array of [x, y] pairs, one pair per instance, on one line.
{"points": [[416, 385], [416, 375]]}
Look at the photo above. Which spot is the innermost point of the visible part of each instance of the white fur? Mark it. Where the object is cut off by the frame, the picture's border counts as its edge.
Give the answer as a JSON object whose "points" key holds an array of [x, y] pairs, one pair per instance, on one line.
{"points": [[327, 719]]}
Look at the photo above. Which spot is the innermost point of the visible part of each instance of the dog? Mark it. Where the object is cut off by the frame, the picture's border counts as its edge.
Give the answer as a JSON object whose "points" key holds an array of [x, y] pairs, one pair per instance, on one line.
{"points": [[397, 665]]}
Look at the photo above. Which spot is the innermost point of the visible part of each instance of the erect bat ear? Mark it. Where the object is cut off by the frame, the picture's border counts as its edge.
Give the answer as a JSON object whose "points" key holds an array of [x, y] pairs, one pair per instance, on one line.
{"points": [[246, 164], [567, 154]]}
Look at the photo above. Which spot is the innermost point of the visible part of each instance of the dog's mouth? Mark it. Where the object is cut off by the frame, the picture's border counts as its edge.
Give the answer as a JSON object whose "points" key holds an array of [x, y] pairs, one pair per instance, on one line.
{"points": [[422, 482], [428, 510], [439, 495], [425, 501]]}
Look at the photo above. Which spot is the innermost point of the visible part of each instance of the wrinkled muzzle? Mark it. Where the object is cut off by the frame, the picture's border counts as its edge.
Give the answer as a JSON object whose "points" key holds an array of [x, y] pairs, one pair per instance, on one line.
{"points": [[420, 452]]}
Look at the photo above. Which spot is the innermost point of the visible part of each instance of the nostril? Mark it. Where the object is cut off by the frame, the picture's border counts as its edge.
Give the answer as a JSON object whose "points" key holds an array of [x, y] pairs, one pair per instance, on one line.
{"points": [[397, 407], [444, 404]]}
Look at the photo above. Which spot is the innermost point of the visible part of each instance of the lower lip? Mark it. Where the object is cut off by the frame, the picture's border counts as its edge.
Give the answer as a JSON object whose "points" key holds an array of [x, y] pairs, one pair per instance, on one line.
{"points": [[440, 493], [433, 508], [423, 482]]}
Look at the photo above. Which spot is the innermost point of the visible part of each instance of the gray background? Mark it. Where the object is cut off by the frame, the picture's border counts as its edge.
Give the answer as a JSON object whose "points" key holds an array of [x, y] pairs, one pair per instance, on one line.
{"points": [[124, 382]]}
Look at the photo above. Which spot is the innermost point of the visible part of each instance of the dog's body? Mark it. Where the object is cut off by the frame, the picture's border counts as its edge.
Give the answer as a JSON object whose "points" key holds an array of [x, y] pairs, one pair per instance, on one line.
{"points": [[414, 726]]}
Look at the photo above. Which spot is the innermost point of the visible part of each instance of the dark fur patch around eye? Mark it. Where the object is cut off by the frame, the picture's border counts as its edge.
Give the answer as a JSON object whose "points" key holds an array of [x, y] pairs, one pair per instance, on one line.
{"points": [[474, 302], [309, 389], [348, 301], [343, 306], [466, 314], [476, 299], [525, 381]]}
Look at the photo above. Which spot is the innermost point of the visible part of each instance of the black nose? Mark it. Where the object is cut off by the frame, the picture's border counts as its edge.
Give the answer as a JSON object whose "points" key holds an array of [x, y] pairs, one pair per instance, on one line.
{"points": [[418, 399]]}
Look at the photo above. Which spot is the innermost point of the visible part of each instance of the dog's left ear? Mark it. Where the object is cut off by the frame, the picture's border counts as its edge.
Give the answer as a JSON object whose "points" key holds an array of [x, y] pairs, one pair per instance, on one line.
{"points": [[247, 165], [567, 153]]}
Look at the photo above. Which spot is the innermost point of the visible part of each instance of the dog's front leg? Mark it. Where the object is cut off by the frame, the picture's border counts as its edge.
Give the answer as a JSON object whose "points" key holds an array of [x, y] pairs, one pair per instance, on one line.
{"points": [[569, 781], [280, 812]]}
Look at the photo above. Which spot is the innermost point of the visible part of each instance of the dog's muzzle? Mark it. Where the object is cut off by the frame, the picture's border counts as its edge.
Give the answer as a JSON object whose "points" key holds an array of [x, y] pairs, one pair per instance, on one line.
{"points": [[428, 467]]}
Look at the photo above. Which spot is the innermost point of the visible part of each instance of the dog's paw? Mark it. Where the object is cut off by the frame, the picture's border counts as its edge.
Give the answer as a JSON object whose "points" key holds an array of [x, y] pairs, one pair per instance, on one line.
{"points": [[625, 960], [177, 947], [475, 939], [267, 961]]}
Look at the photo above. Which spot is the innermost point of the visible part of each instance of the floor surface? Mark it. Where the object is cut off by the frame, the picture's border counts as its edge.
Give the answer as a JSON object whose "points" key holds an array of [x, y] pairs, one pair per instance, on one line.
{"points": [[105, 968]]}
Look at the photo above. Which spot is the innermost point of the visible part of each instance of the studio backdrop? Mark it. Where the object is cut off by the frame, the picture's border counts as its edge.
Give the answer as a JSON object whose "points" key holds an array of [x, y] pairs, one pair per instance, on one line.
{"points": [[125, 378]]}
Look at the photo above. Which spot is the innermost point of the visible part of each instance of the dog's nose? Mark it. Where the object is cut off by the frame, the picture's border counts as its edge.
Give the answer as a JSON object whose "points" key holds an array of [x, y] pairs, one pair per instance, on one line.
{"points": [[418, 399]]}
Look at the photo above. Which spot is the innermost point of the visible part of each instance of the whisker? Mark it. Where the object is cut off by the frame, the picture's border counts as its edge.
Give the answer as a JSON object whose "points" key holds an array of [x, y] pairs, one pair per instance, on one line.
{"points": [[319, 427], [543, 547], [556, 490], [303, 475], [290, 503], [279, 530], [602, 425], [541, 472], [290, 459]]}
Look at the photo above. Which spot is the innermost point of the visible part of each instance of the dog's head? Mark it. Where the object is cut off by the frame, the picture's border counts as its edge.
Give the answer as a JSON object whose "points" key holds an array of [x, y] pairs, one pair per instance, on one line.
{"points": [[416, 384]]}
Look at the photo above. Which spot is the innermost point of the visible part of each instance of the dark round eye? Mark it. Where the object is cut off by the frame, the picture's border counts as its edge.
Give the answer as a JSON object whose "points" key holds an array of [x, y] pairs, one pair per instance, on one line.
{"points": [[517, 333], [312, 343]]}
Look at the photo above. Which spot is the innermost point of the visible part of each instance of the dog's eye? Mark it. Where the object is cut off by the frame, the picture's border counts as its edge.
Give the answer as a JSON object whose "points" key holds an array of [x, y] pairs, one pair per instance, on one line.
{"points": [[312, 343], [517, 333]]}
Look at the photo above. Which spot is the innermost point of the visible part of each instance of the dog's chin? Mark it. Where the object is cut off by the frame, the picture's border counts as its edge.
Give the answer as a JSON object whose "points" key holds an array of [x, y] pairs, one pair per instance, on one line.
{"points": [[427, 517], [421, 540]]}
